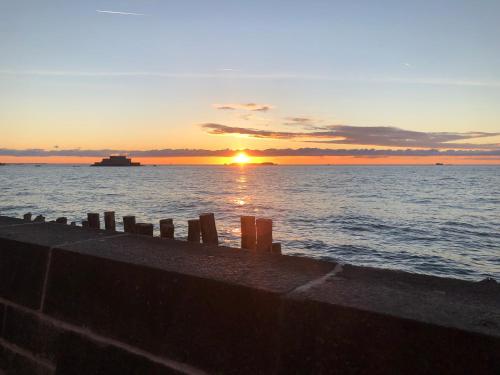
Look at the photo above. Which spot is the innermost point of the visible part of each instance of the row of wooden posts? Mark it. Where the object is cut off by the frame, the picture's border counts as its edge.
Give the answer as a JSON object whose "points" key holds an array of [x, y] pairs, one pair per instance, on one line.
{"points": [[256, 233]]}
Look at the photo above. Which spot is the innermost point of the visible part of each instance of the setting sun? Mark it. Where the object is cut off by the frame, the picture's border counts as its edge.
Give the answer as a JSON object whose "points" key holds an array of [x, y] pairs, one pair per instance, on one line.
{"points": [[241, 158]]}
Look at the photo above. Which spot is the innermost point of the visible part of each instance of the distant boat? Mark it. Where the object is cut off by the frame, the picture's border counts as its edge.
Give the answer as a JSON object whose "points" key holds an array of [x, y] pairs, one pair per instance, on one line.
{"points": [[439, 164], [116, 161]]}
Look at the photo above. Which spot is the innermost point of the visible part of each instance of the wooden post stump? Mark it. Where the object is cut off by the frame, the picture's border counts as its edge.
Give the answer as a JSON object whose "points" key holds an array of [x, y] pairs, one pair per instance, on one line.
{"points": [[145, 229], [264, 234], [167, 228], [276, 248], [109, 221], [248, 232], [73, 223], [27, 217], [194, 230], [62, 220], [167, 221], [208, 229], [93, 219], [39, 219], [129, 224]]}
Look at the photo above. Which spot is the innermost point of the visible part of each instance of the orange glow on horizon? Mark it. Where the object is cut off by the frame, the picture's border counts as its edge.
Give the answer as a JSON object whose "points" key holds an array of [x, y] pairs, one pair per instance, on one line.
{"points": [[303, 160], [241, 158]]}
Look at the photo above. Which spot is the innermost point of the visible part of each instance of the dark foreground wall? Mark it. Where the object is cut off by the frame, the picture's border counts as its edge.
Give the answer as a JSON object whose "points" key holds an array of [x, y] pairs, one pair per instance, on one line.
{"points": [[80, 301]]}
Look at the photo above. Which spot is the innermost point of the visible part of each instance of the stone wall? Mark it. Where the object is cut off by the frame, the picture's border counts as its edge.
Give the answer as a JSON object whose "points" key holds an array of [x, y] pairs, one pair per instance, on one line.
{"points": [[82, 301]]}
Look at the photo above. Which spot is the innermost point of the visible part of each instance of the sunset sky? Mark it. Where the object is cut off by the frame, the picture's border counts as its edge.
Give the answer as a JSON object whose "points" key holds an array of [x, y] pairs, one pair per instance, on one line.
{"points": [[314, 81]]}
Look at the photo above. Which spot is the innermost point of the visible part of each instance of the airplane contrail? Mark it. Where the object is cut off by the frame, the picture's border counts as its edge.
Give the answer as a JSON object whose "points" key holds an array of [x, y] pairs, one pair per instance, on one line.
{"points": [[122, 13]]}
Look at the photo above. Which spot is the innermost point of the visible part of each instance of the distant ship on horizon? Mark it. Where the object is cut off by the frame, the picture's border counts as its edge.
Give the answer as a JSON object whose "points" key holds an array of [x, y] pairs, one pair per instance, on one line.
{"points": [[116, 161]]}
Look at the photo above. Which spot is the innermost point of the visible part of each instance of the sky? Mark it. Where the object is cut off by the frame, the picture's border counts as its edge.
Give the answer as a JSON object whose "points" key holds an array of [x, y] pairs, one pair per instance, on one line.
{"points": [[293, 81]]}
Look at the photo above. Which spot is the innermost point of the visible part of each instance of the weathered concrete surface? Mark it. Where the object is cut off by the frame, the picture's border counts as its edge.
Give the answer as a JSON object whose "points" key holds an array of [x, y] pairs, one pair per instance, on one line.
{"points": [[50, 234], [102, 359], [24, 253], [453, 303], [22, 271], [15, 363], [196, 319], [116, 302], [2, 314], [371, 321], [273, 273], [26, 330], [6, 221], [35, 343]]}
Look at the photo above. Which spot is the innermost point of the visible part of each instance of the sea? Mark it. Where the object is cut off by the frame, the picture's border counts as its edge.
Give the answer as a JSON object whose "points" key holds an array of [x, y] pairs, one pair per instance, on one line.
{"points": [[436, 220]]}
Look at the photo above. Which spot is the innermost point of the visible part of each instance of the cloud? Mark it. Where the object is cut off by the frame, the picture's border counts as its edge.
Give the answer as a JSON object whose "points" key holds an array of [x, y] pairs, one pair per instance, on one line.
{"points": [[305, 122], [396, 137], [259, 76], [219, 129], [385, 136], [121, 13], [312, 151], [244, 107], [299, 120]]}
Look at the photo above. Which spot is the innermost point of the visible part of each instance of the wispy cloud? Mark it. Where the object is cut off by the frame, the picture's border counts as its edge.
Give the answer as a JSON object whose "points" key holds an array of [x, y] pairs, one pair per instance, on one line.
{"points": [[385, 136], [258, 76], [244, 107], [228, 152], [121, 13], [304, 122], [219, 129]]}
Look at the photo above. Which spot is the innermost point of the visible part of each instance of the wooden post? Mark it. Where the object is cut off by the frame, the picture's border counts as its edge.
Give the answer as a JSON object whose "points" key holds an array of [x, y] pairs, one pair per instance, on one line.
{"points": [[73, 223], [39, 219], [27, 217], [167, 221], [62, 220], [208, 229], [194, 230], [248, 232], [85, 224], [276, 248], [93, 219], [129, 224], [109, 221], [167, 228], [145, 229], [264, 234]]}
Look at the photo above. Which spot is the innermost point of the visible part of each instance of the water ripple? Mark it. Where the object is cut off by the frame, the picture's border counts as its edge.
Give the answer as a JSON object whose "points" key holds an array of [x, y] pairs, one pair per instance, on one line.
{"points": [[439, 221]]}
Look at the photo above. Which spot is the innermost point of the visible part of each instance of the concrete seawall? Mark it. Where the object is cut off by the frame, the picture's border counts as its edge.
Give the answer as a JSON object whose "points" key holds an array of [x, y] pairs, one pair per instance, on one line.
{"points": [[83, 301]]}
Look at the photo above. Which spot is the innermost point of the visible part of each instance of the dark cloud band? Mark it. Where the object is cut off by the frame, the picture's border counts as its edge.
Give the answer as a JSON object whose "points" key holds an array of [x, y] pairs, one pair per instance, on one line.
{"points": [[263, 153], [384, 136]]}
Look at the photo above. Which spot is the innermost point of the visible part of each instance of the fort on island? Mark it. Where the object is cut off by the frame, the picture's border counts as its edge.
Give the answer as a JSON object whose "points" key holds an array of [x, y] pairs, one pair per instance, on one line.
{"points": [[116, 161]]}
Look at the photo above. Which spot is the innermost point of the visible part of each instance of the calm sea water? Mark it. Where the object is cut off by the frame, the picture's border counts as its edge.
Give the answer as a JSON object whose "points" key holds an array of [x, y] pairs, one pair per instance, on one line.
{"points": [[439, 220]]}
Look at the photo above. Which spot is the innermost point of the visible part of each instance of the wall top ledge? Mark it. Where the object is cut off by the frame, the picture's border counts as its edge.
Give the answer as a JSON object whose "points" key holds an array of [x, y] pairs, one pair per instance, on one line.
{"points": [[464, 305]]}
